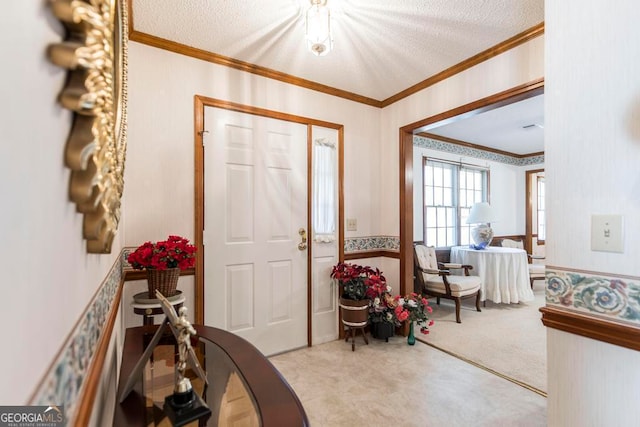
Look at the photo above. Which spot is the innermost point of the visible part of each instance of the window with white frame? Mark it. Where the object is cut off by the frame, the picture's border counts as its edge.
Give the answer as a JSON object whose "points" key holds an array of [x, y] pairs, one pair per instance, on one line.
{"points": [[324, 190], [542, 226], [450, 190]]}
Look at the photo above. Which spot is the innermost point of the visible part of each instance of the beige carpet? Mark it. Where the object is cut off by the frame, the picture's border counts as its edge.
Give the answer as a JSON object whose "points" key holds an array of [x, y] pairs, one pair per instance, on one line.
{"points": [[506, 338], [392, 383]]}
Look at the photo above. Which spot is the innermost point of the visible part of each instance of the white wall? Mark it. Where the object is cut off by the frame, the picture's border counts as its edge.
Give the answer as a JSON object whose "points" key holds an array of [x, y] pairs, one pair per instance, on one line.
{"points": [[592, 130], [48, 278]]}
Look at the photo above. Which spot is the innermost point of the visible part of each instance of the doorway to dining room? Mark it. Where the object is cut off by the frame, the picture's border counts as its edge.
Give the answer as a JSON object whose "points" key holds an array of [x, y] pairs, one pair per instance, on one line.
{"points": [[412, 213], [408, 169]]}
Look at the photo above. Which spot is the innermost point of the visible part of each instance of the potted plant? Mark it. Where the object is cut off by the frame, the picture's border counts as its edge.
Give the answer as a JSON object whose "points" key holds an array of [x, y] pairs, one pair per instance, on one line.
{"points": [[355, 293], [163, 262], [382, 316], [382, 308]]}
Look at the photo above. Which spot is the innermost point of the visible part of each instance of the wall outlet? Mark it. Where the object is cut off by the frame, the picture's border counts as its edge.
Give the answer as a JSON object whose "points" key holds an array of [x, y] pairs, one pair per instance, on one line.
{"points": [[352, 224], [606, 233]]}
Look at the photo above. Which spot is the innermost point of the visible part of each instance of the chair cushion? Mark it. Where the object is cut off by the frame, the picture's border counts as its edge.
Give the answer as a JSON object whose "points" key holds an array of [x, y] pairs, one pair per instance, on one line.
{"points": [[460, 285], [537, 270], [515, 244], [426, 257]]}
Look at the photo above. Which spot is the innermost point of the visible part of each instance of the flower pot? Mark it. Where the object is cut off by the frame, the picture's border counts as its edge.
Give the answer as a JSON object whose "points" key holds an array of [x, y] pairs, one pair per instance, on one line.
{"points": [[382, 330], [166, 281], [355, 313]]}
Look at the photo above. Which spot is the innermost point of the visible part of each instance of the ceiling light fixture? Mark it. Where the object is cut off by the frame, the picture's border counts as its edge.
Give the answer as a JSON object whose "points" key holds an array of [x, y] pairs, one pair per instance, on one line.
{"points": [[318, 28]]}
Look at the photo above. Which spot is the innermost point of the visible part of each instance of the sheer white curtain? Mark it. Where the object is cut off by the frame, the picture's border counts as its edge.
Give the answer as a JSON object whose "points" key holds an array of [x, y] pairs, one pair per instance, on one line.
{"points": [[324, 190]]}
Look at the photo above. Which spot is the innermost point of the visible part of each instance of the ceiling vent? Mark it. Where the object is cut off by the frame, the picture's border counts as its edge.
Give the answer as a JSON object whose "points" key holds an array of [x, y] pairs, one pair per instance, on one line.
{"points": [[533, 125]]}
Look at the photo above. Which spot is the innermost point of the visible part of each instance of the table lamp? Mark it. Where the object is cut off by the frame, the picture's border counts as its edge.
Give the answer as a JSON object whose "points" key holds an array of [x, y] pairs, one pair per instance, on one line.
{"points": [[482, 234]]}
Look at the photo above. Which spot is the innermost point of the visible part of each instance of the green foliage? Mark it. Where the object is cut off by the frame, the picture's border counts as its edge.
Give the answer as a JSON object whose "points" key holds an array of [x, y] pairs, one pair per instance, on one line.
{"points": [[355, 289]]}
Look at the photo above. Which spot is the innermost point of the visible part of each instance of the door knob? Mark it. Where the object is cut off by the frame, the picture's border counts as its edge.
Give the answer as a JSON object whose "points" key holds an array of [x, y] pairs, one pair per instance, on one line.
{"points": [[303, 239]]}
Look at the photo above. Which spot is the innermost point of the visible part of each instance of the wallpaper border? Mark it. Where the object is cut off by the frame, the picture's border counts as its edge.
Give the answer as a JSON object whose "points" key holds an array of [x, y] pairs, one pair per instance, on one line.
{"points": [[371, 243], [421, 141], [63, 383], [608, 296]]}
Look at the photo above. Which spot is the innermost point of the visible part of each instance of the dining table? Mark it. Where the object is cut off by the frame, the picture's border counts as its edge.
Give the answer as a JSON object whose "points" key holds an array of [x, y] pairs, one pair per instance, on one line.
{"points": [[504, 272]]}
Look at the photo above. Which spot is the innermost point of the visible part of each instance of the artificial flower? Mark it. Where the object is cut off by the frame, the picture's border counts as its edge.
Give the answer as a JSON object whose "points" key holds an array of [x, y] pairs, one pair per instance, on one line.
{"points": [[174, 252]]}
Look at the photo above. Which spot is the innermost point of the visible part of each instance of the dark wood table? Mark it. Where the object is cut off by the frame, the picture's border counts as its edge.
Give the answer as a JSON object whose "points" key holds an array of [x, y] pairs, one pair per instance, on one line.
{"points": [[243, 384]]}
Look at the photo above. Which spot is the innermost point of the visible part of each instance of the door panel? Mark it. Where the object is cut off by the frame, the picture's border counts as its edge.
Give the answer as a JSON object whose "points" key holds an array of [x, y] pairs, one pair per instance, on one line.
{"points": [[239, 286], [324, 255], [240, 208], [255, 203], [280, 285]]}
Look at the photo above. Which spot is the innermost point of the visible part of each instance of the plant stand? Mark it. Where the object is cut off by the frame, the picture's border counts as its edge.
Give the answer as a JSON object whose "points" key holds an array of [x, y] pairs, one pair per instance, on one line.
{"points": [[354, 316], [351, 330]]}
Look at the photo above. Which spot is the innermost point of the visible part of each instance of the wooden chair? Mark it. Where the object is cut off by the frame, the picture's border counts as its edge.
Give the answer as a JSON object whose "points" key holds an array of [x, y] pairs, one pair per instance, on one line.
{"points": [[536, 271], [435, 279]]}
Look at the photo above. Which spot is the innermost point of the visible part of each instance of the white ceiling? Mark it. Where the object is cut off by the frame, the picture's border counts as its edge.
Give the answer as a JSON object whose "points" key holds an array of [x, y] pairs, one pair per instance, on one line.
{"points": [[381, 47], [516, 128]]}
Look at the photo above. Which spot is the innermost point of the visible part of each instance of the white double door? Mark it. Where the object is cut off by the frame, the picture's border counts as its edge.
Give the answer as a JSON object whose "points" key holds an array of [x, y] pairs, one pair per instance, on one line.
{"points": [[255, 211]]}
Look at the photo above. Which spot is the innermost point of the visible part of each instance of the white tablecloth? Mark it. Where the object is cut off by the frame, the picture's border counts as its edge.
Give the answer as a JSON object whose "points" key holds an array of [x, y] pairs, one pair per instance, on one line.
{"points": [[504, 272]]}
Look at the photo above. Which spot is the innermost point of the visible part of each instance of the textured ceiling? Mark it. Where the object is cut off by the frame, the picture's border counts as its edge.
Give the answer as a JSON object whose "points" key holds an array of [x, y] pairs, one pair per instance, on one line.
{"points": [[381, 47], [516, 128]]}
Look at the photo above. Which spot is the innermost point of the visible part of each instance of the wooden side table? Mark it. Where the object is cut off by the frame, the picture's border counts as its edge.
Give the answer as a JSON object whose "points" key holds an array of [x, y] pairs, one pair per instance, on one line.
{"points": [[149, 307], [235, 369]]}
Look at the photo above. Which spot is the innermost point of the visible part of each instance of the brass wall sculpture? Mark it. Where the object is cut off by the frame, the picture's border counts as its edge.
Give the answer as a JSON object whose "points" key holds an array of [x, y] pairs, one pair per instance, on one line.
{"points": [[95, 53]]}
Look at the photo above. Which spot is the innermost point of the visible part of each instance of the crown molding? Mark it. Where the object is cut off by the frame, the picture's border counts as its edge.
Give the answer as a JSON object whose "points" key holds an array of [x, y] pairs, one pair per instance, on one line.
{"points": [[517, 40], [226, 61]]}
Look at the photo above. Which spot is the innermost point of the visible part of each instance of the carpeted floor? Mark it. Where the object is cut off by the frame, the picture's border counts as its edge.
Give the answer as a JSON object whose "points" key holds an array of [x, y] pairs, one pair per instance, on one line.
{"points": [[392, 383], [506, 338]]}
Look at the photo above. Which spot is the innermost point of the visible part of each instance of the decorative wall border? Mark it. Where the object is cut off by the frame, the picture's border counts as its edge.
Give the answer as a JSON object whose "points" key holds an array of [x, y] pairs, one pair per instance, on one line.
{"points": [[596, 305], [66, 382], [420, 141], [612, 297], [371, 243]]}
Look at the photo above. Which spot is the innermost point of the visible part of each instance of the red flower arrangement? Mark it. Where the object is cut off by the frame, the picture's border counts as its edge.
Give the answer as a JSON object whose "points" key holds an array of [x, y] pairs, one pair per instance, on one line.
{"points": [[175, 252], [412, 307], [361, 282], [358, 282]]}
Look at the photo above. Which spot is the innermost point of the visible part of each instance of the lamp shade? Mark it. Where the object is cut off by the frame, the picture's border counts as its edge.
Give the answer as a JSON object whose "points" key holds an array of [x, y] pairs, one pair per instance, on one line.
{"points": [[481, 213]]}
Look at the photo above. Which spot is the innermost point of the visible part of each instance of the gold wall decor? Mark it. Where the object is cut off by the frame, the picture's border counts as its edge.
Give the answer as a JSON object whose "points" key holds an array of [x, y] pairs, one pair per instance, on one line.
{"points": [[95, 53]]}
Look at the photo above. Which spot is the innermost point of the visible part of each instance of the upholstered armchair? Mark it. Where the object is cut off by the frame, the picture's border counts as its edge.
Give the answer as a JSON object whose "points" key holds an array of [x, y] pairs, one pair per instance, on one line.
{"points": [[536, 269], [435, 279]]}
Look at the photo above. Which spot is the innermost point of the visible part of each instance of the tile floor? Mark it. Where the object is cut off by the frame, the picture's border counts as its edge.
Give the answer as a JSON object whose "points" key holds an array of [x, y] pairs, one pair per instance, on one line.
{"points": [[392, 383]]}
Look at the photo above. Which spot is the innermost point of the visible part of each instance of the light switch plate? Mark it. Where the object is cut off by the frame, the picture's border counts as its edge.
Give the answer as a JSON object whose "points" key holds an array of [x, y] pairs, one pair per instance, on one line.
{"points": [[606, 233], [352, 224]]}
